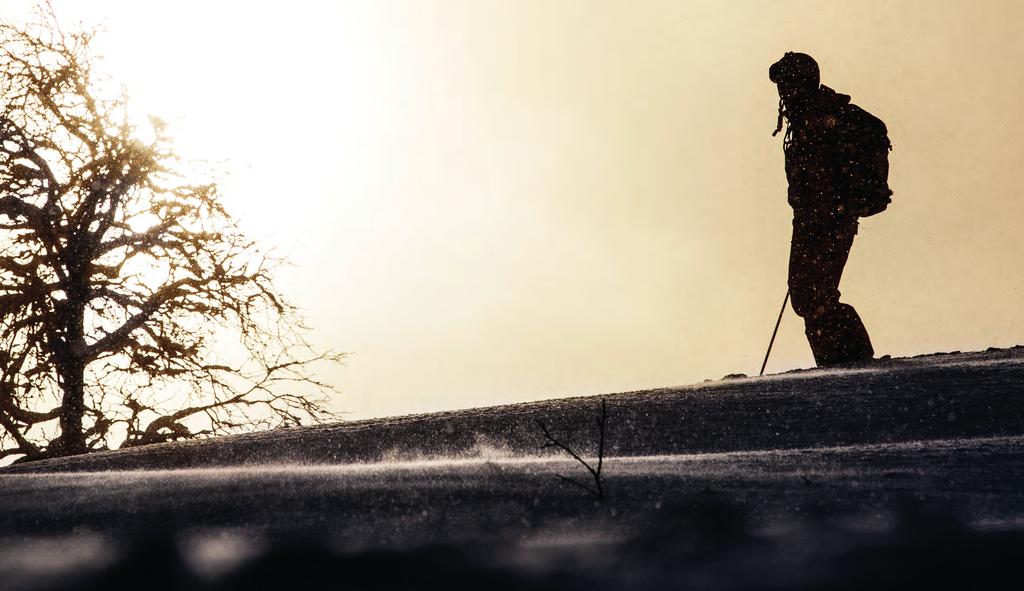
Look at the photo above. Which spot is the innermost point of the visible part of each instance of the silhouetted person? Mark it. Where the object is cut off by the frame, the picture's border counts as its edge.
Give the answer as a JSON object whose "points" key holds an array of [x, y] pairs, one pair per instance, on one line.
{"points": [[834, 177]]}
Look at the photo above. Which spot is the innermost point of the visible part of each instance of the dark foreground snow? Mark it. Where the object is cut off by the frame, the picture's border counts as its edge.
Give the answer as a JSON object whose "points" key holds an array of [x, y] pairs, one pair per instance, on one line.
{"points": [[906, 473]]}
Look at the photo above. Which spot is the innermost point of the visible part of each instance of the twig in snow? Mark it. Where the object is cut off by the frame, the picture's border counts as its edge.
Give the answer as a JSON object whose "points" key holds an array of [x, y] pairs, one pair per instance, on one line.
{"points": [[598, 489]]}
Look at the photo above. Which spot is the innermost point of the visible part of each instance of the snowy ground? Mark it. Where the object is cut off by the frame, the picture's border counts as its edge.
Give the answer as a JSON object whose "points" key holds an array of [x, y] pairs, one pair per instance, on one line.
{"points": [[906, 472]]}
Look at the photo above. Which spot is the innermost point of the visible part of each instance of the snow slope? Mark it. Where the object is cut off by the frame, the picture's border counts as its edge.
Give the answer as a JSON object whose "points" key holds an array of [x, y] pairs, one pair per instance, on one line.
{"points": [[928, 397], [871, 477]]}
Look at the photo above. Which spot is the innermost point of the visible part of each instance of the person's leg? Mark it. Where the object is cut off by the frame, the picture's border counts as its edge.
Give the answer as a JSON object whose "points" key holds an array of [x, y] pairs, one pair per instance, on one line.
{"points": [[807, 288], [817, 258], [805, 282]]}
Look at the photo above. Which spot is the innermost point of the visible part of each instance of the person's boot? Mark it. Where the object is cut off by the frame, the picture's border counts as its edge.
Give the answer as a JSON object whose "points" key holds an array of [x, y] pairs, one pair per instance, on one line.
{"points": [[838, 337], [820, 338], [855, 343]]}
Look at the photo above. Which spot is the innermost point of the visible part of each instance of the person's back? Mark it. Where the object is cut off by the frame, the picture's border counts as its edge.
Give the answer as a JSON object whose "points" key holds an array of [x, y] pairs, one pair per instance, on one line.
{"points": [[820, 166]]}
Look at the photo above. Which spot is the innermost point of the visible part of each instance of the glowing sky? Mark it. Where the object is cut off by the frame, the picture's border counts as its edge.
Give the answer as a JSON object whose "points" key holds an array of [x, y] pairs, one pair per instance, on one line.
{"points": [[502, 201]]}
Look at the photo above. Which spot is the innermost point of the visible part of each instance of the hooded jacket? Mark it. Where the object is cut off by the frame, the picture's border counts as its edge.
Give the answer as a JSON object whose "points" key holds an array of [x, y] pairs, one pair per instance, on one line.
{"points": [[816, 156]]}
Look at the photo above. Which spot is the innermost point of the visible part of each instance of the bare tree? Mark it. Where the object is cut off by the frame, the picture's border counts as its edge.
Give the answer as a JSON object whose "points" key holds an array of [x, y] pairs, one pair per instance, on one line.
{"points": [[132, 308]]}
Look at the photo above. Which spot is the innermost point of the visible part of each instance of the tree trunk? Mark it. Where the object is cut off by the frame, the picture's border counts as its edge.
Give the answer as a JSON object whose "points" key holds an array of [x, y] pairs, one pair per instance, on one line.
{"points": [[72, 371], [72, 411]]}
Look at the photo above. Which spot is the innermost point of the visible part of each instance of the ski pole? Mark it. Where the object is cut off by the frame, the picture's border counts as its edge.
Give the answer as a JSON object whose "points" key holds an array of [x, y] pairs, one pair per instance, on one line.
{"points": [[774, 332]]}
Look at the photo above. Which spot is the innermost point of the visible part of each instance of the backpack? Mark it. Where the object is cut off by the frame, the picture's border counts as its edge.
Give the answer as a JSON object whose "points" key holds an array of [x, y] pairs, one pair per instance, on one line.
{"points": [[863, 153]]}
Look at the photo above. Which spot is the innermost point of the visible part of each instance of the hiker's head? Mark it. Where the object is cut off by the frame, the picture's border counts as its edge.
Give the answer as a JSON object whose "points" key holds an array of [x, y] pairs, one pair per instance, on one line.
{"points": [[797, 77]]}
